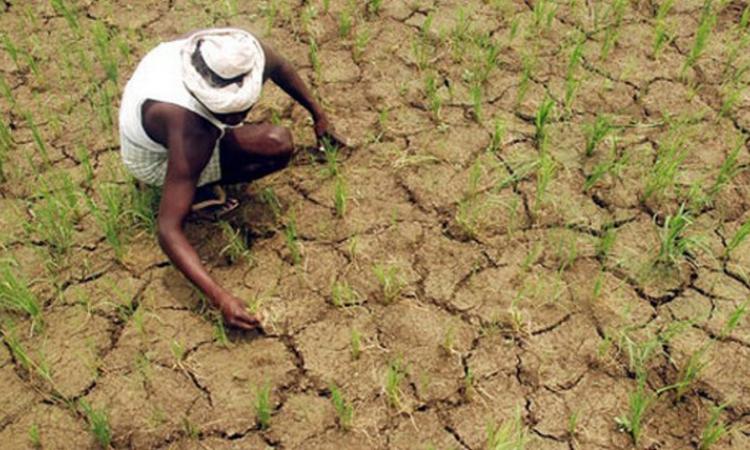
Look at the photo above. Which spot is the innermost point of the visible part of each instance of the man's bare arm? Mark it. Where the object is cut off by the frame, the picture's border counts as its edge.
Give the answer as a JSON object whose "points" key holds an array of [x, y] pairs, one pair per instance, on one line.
{"points": [[190, 144]]}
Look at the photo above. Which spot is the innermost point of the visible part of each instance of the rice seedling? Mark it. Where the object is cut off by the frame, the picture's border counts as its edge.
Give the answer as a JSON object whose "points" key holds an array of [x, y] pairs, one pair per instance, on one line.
{"points": [[6, 92], [10, 49], [661, 36], [673, 243], [475, 92], [342, 294], [714, 430], [268, 196], [344, 409], [292, 241], [373, 6], [545, 171], [361, 39], [541, 120], [110, 216], [263, 405], [345, 23], [390, 280], [35, 439], [69, 14], [340, 196], [596, 132], [606, 242], [220, 331], [38, 140], [468, 384], [16, 296], [142, 205], [98, 422], [498, 134], [737, 238], [6, 141], [103, 50], [55, 215], [616, 13], [729, 169], [639, 401], [355, 339], [613, 166], [236, 248], [178, 351], [527, 67], [511, 434], [312, 52], [331, 153], [448, 342], [431, 93], [394, 376], [734, 320], [543, 13], [669, 157], [705, 27], [571, 82]]}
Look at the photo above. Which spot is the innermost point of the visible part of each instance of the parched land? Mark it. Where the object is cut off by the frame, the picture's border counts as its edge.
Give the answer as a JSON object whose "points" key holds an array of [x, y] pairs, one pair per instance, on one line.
{"points": [[537, 239]]}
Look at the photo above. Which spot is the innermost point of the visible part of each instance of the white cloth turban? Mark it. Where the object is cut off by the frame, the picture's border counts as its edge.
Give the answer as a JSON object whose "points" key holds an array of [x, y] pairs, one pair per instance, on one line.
{"points": [[236, 57]]}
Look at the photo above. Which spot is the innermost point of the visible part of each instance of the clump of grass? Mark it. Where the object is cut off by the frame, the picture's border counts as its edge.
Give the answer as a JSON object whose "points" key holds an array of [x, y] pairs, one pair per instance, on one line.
{"points": [[390, 280], [613, 165], [16, 296], [639, 401], [705, 27], [669, 157], [342, 294], [661, 36], [616, 12], [236, 248], [737, 238], [292, 242], [263, 406], [714, 430], [361, 39], [312, 52], [394, 376], [355, 340], [141, 206], [571, 82], [36, 135], [98, 422], [673, 243], [110, 216], [545, 171], [344, 409], [541, 120], [340, 196], [596, 132], [527, 68], [55, 216], [729, 169], [35, 439], [373, 6], [511, 434]]}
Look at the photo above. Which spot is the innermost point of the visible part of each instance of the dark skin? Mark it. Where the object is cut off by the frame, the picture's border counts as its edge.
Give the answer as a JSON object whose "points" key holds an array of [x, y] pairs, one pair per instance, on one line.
{"points": [[247, 153]]}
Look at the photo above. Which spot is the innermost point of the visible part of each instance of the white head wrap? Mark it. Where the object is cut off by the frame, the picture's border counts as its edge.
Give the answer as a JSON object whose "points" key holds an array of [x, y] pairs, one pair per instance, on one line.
{"points": [[229, 53]]}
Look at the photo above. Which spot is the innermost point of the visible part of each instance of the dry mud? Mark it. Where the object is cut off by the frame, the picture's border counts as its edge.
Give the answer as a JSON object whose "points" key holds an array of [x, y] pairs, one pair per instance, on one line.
{"points": [[507, 307]]}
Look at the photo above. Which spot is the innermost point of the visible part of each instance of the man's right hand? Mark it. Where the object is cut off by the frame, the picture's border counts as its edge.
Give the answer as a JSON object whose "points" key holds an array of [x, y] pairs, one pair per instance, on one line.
{"points": [[235, 314]]}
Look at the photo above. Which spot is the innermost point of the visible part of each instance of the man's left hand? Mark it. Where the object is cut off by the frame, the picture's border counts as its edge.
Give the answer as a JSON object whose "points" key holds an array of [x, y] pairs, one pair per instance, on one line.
{"points": [[324, 132]]}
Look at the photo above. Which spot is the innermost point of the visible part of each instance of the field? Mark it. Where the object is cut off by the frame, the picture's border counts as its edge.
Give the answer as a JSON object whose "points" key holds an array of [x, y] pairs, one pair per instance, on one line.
{"points": [[537, 239]]}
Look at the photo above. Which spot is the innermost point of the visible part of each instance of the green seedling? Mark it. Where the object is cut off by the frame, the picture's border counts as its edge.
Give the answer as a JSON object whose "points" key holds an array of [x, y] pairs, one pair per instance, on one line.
{"points": [[498, 135], [729, 169], [734, 320], [737, 238], [110, 216], [596, 132], [639, 401], [331, 153], [673, 243], [714, 430], [268, 196], [7, 92], [705, 28], [431, 94], [312, 52], [345, 23], [616, 12], [361, 39], [142, 206], [475, 92], [56, 214], [543, 13], [292, 242], [527, 68], [511, 434], [393, 379], [38, 140], [541, 120], [98, 423], [16, 296], [373, 6], [236, 248], [35, 438], [391, 283], [263, 406], [344, 409], [670, 156], [340, 196], [103, 42], [546, 168], [661, 37], [468, 384], [612, 166], [342, 294], [606, 242], [355, 340]]}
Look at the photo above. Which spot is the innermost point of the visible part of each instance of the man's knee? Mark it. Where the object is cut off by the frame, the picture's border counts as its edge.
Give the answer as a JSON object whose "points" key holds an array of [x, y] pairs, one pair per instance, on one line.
{"points": [[280, 140]]}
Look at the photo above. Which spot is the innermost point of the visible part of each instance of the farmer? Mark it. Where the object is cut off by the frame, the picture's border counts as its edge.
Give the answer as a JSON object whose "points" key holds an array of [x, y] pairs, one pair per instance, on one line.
{"points": [[181, 127]]}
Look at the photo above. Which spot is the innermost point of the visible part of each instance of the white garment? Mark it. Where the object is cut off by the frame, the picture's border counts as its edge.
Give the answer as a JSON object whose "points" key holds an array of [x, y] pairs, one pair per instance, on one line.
{"points": [[159, 77]]}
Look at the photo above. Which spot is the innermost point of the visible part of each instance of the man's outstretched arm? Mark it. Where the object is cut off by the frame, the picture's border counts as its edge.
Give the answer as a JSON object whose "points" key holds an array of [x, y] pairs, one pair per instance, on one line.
{"points": [[283, 73], [190, 149]]}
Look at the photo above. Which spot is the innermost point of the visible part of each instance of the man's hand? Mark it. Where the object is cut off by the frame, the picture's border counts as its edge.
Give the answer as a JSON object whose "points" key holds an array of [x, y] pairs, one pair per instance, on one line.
{"points": [[324, 133], [235, 315]]}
